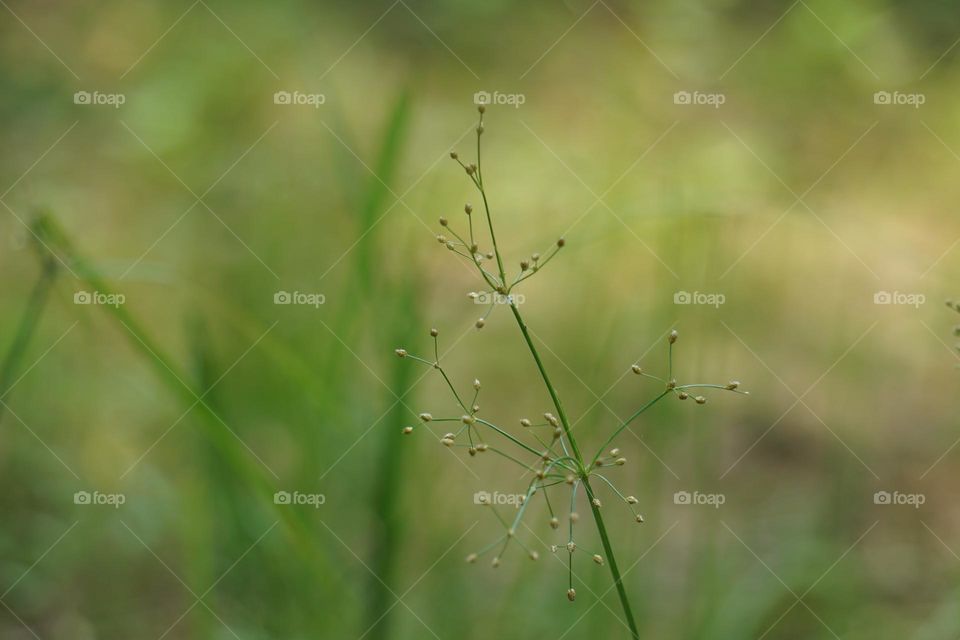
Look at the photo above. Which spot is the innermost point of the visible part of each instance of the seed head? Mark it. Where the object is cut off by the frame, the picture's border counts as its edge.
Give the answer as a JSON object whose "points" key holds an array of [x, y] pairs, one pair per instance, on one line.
{"points": [[434, 333], [472, 451], [524, 422], [560, 243], [534, 555], [672, 384], [535, 257], [621, 461], [552, 419], [554, 522], [443, 221], [637, 369], [480, 127], [700, 400], [571, 594], [495, 563], [476, 384], [467, 419], [482, 447], [557, 432], [471, 169], [673, 336], [570, 479], [598, 558], [541, 474], [407, 431], [571, 546], [614, 452], [524, 265], [401, 353], [447, 442], [442, 239], [596, 502], [450, 246], [639, 518], [480, 322], [683, 395], [574, 516], [733, 384], [481, 108], [631, 500], [454, 155], [471, 558], [426, 417], [468, 208]]}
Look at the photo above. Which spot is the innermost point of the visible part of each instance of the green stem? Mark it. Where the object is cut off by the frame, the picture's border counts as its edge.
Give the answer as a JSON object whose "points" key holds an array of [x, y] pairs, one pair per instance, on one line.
{"points": [[597, 517]]}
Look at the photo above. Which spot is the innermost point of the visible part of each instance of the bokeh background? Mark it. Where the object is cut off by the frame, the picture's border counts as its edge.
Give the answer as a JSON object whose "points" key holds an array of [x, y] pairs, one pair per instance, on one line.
{"points": [[798, 199]]}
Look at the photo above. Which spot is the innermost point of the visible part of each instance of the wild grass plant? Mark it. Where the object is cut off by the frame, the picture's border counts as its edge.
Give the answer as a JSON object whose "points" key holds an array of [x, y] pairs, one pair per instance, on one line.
{"points": [[545, 449]]}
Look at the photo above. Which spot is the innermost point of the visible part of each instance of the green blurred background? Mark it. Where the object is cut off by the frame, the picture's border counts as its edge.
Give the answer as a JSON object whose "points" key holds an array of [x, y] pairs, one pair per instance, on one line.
{"points": [[199, 198]]}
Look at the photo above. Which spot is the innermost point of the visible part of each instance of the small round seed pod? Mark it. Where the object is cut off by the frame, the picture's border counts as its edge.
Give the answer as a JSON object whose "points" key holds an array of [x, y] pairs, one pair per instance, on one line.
{"points": [[596, 502], [571, 594], [524, 422], [733, 384], [672, 384], [434, 333], [407, 431], [475, 408], [471, 169], [557, 432], [480, 127], [495, 563], [552, 419], [443, 221], [442, 239], [454, 155], [620, 461], [488, 255], [401, 353], [574, 516], [541, 474], [535, 257], [637, 369], [554, 523], [426, 417], [480, 322], [472, 451], [471, 558], [449, 435], [481, 108], [560, 243], [447, 442], [598, 558], [639, 518], [468, 208], [570, 479], [673, 336], [631, 500], [524, 265], [700, 400], [476, 384], [571, 546], [467, 419], [683, 395], [614, 452], [534, 555], [474, 248], [482, 447], [511, 532], [450, 246]]}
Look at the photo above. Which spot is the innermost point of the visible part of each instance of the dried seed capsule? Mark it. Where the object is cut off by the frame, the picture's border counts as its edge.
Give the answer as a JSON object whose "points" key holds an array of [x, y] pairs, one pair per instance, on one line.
{"points": [[524, 422], [495, 563], [554, 522], [471, 558], [700, 400], [574, 516], [571, 594], [467, 419], [733, 384], [480, 322], [482, 447], [401, 352], [683, 395], [407, 431], [621, 461], [447, 442], [480, 127], [541, 474], [534, 555], [468, 208], [614, 452], [481, 108], [442, 239], [672, 384], [434, 333], [571, 546], [598, 558], [475, 408], [637, 369], [639, 518], [454, 155], [535, 257], [524, 265], [673, 336], [561, 242], [631, 500], [443, 221], [476, 384], [596, 502], [472, 451], [426, 417]]}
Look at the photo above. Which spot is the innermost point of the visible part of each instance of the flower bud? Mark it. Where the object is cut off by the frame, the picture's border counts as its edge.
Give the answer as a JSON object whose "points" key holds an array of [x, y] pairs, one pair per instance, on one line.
{"points": [[554, 523], [673, 336], [481, 108], [400, 352], [434, 333], [476, 384], [571, 594], [443, 221], [468, 208]]}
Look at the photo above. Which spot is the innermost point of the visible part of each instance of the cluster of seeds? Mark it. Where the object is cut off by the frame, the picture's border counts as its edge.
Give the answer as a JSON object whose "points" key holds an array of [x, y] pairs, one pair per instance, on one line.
{"points": [[545, 449]]}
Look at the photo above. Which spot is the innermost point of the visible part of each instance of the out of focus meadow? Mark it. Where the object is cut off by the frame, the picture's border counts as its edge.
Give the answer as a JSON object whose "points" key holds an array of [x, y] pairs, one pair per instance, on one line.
{"points": [[738, 150]]}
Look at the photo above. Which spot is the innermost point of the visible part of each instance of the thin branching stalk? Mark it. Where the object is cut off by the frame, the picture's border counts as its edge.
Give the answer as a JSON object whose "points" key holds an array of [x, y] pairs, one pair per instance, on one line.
{"points": [[553, 468]]}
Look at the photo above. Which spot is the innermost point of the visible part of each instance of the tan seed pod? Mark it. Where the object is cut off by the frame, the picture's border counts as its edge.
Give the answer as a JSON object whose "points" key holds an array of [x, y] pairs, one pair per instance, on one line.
{"points": [[471, 558], [631, 500], [700, 400], [554, 522], [434, 333], [673, 336], [571, 594], [598, 558], [637, 369], [407, 431], [401, 353], [426, 417], [524, 422], [534, 555]]}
